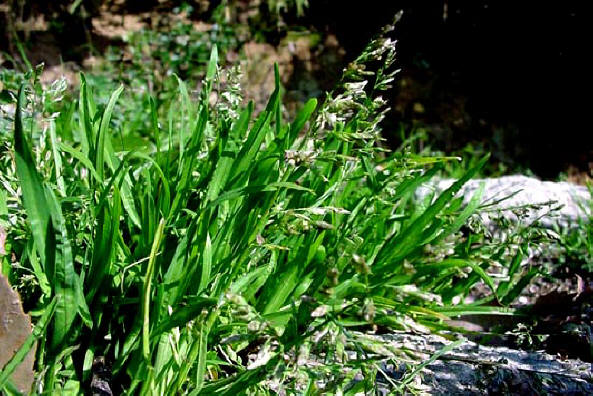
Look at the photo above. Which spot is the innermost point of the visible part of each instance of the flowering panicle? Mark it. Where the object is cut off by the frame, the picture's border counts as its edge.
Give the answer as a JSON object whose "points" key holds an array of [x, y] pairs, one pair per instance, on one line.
{"points": [[355, 113]]}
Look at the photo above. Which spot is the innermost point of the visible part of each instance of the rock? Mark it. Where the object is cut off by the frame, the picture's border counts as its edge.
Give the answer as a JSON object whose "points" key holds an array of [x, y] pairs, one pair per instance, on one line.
{"points": [[430, 364], [473, 369], [527, 200], [15, 327]]}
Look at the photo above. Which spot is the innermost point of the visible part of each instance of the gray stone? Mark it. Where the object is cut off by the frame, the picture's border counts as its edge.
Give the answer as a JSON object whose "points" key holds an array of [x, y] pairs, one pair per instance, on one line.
{"points": [[523, 199], [473, 369], [15, 328]]}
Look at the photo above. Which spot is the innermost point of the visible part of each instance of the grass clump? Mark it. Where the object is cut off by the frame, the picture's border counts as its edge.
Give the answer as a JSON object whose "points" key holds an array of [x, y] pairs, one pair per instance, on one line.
{"points": [[224, 252]]}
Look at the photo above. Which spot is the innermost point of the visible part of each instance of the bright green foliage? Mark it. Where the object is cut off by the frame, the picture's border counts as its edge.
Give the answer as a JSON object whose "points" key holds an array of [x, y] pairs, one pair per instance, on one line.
{"points": [[577, 243], [197, 261]]}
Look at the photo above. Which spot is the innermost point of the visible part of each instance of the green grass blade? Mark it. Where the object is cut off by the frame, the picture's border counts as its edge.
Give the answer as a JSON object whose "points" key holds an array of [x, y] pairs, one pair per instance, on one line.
{"points": [[410, 185], [285, 286], [202, 350], [249, 150], [301, 119], [165, 197], [245, 157], [408, 240], [33, 195], [236, 193], [86, 129], [31, 253], [226, 160], [146, 292], [176, 272], [206, 265], [127, 197], [518, 287], [10, 389], [64, 279], [103, 129], [184, 180], [78, 155], [185, 115], [197, 353], [505, 287], [103, 245], [461, 219], [460, 310], [410, 376], [212, 63], [57, 158], [156, 132], [183, 315]]}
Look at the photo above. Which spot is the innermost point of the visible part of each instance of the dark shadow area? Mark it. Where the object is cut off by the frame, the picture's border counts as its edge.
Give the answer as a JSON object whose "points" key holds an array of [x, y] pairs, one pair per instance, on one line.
{"points": [[510, 75]]}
